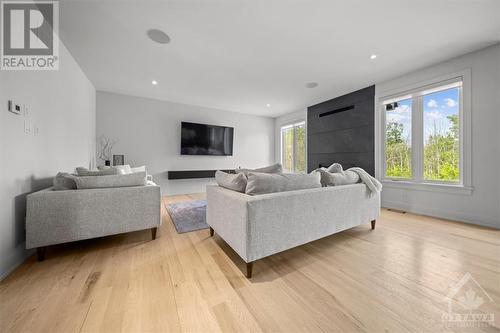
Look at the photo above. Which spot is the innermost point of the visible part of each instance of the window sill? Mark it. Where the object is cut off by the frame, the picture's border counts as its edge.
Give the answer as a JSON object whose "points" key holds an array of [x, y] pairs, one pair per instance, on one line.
{"points": [[430, 187]]}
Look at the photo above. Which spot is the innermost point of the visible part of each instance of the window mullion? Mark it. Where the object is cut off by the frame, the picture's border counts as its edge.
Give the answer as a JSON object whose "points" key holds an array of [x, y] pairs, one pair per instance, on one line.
{"points": [[417, 141]]}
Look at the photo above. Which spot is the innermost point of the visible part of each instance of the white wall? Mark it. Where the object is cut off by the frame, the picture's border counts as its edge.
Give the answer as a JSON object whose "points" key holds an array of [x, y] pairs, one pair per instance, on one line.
{"points": [[62, 106], [149, 134], [482, 206]]}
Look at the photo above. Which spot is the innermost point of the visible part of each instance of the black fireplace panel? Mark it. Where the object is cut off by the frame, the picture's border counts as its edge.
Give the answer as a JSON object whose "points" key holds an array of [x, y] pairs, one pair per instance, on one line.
{"points": [[342, 130], [359, 116]]}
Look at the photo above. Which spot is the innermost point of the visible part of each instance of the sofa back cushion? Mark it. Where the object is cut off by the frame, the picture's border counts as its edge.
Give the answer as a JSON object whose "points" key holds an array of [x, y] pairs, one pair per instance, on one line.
{"points": [[338, 178], [235, 182], [133, 179], [275, 168], [81, 171], [261, 183]]}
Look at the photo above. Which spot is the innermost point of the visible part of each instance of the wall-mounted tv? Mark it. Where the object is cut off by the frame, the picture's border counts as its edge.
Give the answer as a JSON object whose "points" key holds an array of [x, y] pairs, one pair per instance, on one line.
{"points": [[202, 139]]}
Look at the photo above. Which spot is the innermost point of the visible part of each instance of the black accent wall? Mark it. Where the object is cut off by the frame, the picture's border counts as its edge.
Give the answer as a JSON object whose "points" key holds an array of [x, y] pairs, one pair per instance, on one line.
{"points": [[342, 130]]}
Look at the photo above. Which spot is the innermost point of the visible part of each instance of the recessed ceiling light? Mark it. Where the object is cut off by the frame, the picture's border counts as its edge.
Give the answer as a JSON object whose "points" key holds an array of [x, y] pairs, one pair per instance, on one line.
{"points": [[158, 36], [268, 105], [154, 82], [373, 56], [312, 84]]}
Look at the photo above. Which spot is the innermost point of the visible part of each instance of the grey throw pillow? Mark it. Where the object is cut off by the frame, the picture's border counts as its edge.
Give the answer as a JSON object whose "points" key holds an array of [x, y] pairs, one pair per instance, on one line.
{"points": [[338, 178], [335, 168], [81, 171], [275, 168], [64, 181], [261, 183], [133, 179], [235, 182]]}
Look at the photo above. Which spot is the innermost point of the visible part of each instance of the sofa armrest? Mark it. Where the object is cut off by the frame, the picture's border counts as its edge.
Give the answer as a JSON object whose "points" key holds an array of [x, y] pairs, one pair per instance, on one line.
{"points": [[227, 214]]}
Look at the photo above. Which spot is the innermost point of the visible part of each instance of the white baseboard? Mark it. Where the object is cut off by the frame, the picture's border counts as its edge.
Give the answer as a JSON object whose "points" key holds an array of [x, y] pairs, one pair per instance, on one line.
{"points": [[445, 214]]}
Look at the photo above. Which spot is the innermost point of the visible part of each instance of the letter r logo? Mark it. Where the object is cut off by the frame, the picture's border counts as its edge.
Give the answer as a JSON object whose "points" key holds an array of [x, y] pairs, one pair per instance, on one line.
{"points": [[28, 28]]}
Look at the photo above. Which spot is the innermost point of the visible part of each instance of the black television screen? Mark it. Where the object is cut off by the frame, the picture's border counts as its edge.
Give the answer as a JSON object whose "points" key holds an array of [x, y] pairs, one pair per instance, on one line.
{"points": [[201, 139]]}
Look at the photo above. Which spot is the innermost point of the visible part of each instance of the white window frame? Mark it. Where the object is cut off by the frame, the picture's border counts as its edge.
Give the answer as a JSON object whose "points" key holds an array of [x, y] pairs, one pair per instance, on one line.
{"points": [[292, 125], [416, 92]]}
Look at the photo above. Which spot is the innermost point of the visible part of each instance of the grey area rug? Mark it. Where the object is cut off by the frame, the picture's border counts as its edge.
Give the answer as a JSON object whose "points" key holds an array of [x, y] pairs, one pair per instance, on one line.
{"points": [[188, 215]]}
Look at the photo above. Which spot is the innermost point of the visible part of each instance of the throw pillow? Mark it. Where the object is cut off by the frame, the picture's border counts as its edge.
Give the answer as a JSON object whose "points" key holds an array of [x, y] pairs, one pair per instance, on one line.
{"points": [[338, 178], [235, 182], [261, 183], [275, 168], [139, 169], [122, 169], [64, 181], [133, 179], [335, 168], [81, 171]]}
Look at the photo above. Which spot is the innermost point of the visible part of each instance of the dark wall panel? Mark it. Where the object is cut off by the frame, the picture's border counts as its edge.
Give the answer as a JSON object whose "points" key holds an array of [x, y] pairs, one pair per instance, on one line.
{"points": [[342, 130]]}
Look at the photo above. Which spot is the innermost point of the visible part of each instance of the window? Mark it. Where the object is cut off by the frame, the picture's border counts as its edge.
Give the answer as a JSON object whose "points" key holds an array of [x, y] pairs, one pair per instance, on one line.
{"points": [[293, 147], [398, 139], [423, 134]]}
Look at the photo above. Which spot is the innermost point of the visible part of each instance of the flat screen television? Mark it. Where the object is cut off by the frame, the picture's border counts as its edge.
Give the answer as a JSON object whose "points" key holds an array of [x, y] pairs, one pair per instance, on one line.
{"points": [[202, 139]]}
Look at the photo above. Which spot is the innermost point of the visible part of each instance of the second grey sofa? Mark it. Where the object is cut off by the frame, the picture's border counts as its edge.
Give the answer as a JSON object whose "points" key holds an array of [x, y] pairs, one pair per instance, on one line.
{"points": [[55, 217], [261, 225]]}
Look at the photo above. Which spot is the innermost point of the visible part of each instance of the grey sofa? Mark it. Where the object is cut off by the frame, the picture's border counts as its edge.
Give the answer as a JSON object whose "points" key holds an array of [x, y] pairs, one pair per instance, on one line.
{"points": [[55, 217], [262, 225]]}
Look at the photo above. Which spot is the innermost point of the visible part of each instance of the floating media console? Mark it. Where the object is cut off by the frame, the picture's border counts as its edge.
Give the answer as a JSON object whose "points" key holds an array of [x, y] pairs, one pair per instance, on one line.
{"points": [[192, 174]]}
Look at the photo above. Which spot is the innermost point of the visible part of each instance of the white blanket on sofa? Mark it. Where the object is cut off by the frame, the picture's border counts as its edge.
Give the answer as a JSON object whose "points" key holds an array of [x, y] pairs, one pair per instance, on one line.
{"points": [[373, 184]]}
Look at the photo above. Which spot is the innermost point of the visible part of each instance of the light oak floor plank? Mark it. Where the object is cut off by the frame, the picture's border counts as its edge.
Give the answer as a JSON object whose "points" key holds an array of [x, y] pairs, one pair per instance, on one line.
{"points": [[394, 278]]}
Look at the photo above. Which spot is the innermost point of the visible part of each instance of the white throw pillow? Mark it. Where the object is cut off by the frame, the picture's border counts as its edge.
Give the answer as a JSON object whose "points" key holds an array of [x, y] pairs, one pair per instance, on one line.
{"points": [[81, 171], [121, 169], [139, 169]]}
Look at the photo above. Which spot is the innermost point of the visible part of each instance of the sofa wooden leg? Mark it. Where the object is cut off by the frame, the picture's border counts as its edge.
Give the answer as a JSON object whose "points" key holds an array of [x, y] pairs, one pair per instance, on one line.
{"points": [[373, 224], [249, 269], [211, 232], [153, 233], [40, 253]]}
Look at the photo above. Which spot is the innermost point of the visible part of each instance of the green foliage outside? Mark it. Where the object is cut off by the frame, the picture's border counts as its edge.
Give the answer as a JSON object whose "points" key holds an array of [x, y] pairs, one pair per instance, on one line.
{"points": [[441, 153], [300, 157], [397, 152], [293, 163]]}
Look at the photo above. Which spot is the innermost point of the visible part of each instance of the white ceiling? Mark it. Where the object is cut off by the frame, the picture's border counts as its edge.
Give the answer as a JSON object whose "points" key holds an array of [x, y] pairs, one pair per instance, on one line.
{"points": [[240, 55]]}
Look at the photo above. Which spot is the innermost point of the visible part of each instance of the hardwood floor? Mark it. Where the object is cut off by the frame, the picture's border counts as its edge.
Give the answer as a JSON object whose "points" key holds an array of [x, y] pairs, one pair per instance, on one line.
{"points": [[394, 278]]}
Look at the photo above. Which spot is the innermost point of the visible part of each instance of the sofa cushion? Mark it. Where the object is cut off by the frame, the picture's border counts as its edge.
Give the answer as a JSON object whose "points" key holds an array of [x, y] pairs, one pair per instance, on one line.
{"points": [[275, 168], [133, 179], [261, 183], [64, 181], [235, 182], [338, 178], [81, 171]]}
